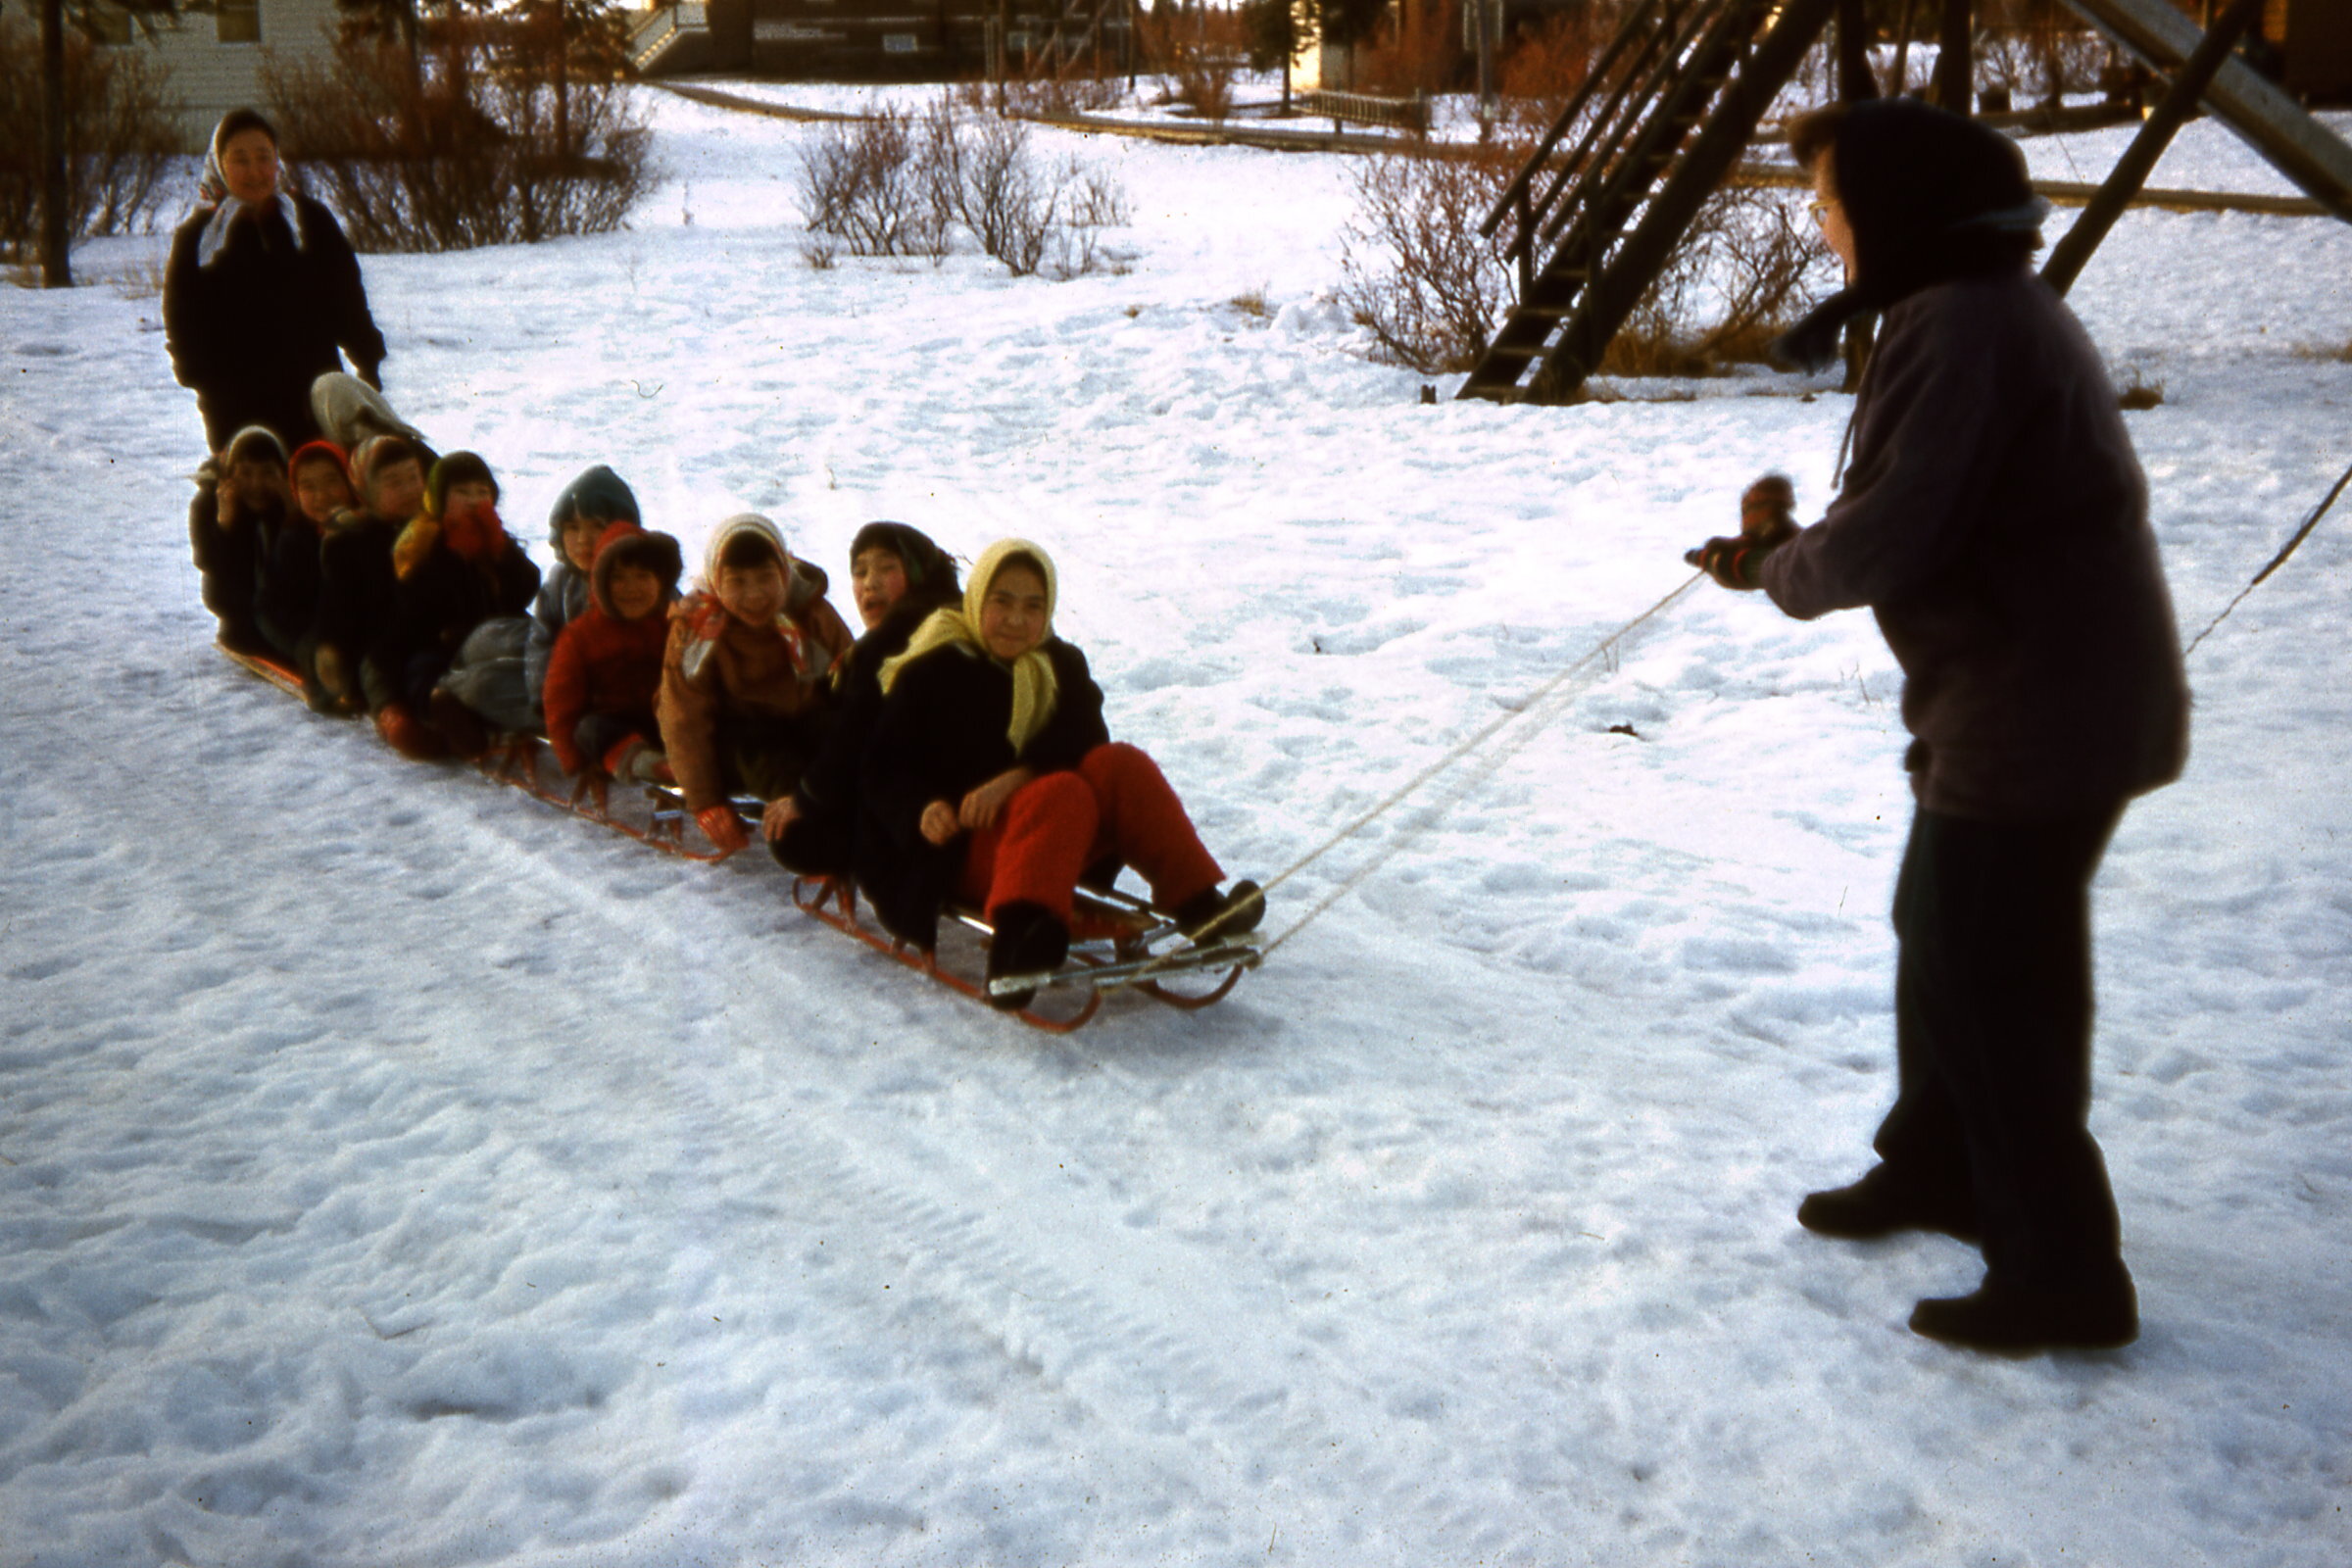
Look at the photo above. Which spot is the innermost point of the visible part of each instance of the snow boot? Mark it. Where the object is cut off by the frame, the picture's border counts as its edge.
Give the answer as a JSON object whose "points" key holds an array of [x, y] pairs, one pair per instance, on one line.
{"points": [[2020, 1320], [1029, 940], [404, 734], [1882, 1204], [1216, 916], [468, 736]]}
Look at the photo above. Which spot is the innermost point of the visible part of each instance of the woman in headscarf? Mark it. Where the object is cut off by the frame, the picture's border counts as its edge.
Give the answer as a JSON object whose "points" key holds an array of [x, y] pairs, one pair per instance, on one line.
{"points": [[1995, 521], [261, 292], [992, 777]]}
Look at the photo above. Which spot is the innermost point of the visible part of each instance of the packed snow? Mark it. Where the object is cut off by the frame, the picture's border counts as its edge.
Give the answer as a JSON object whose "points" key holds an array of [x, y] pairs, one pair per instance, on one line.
{"points": [[393, 1172]]}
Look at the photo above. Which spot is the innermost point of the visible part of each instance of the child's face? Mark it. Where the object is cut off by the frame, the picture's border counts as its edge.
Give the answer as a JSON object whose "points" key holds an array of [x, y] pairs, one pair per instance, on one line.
{"points": [[468, 495], [752, 595], [320, 489], [879, 580], [399, 487], [636, 593], [1013, 617], [581, 535], [254, 482]]}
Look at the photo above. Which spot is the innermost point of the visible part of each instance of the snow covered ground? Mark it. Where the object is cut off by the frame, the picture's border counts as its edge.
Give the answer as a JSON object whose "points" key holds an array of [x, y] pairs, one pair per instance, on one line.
{"points": [[392, 1174]]}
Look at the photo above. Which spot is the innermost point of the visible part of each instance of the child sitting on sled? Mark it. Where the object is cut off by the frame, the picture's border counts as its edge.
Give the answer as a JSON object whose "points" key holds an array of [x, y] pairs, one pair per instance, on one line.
{"points": [[232, 525], [285, 605], [897, 576], [745, 680], [605, 670], [575, 526], [355, 654], [992, 777], [455, 569]]}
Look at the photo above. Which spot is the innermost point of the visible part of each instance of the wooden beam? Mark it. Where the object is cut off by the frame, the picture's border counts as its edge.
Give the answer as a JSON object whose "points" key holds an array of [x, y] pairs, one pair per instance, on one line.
{"points": [[2131, 171], [1955, 60]]}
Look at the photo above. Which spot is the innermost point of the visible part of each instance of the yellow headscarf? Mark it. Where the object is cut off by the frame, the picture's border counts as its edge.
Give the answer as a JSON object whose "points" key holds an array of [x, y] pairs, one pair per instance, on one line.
{"points": [[1034, 690]]}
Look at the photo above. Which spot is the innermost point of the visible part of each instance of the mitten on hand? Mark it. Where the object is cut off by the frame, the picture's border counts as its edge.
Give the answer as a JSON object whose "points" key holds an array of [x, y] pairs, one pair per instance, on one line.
{"points": [[722, 828], [1768, 511], [1730, 561]]}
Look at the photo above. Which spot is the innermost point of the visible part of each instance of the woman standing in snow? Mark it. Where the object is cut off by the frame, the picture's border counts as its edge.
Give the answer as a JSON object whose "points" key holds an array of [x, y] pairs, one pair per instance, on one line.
{"points": [[1995, 521], [261, 290]]}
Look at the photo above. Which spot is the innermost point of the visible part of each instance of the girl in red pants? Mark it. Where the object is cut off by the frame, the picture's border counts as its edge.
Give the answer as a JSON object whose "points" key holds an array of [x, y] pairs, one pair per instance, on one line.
{"points": [[990, 777]]}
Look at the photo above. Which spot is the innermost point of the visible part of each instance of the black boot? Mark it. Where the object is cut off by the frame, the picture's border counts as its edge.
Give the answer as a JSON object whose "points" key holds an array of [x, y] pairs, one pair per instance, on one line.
{"points": [[1221, 916], [1882, 1204], [1028, 940], [2019, 1320]]}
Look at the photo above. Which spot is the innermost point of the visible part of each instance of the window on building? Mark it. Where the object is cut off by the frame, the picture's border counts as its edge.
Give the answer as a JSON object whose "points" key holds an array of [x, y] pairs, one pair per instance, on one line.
{"points": [[237, 21]]}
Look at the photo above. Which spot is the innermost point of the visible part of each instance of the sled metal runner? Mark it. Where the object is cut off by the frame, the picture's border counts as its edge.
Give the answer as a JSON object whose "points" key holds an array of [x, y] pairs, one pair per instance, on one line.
{"points": [[1112, 941]]}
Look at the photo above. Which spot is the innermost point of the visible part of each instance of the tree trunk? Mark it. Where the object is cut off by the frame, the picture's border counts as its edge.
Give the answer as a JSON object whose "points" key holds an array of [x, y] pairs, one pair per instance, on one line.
{"points": [[1854, 81], [1955, 67], [57, 259]]}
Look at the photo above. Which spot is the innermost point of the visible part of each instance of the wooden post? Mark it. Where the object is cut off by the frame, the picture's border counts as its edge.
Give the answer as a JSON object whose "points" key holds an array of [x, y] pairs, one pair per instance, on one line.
{"points": [[2131, 171], [1854, 81], [1955, 63], [57, 245]]}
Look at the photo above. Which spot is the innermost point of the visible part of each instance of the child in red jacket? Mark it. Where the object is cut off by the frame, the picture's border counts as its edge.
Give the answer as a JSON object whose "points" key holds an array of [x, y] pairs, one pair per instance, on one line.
{"points": [[605, 670]]}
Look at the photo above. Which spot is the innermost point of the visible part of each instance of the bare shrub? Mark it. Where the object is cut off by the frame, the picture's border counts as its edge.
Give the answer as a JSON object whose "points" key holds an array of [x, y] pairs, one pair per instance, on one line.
{"points": [[487, 138], [1096, 200], [1416, 273], [1422, 53], [1198, 51], [121, 138], [1413, 268], [1750, 264], [866, 184]]}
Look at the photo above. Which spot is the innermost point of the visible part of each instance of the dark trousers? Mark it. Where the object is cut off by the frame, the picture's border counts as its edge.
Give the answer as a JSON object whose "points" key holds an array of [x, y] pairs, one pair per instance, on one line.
{"points": [[595, 735], [1992, 1040], [766, 756]]}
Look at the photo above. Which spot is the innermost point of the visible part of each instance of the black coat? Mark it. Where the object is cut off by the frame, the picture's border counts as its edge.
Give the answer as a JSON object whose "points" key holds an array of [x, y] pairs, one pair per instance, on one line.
{"points": [[819, 842], [441, 601], [287, 604], [251, 332], [229, 561], [941, 734], [356, 610]]}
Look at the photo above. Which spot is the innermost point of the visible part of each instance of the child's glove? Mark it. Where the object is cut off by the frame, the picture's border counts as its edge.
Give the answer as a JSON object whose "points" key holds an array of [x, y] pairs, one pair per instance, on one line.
{"points": [[722, 828]]}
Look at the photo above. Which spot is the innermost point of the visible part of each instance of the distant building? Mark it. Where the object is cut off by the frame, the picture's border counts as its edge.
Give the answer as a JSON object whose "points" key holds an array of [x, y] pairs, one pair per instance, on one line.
{"points": [[213, 55], [873, 40], [2307, 45]]}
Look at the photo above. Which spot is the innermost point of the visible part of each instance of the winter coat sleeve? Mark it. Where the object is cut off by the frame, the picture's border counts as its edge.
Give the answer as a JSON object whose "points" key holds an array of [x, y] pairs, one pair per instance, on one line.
{"points": [[518, 580], [342, 292], [547, 624], [1076, 727], [287, 606], [905, 769], [188, 327], [689, 715], [565, 696], [1929, 443]]}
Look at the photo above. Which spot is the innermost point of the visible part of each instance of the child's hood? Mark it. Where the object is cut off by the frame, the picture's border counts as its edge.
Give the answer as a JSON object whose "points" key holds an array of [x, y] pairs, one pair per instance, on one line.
{"points": [[597, 492], [625, 544]]}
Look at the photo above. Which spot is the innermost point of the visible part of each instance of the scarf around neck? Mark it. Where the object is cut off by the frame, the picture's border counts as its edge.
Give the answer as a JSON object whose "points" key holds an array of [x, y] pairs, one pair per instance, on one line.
{"points": [[1035, 691]]}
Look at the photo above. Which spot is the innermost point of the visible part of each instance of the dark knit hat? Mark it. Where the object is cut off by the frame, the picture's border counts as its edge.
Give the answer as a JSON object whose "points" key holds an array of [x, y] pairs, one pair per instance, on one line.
{"points": [[1931, 197], [599, 494], [625, 544], [256, 443], [930, 573], [455, 468]]}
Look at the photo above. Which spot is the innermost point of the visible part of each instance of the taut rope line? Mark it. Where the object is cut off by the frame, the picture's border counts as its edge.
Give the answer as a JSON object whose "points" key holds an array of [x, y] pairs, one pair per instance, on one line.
{"points": [[1529, 708], [2277, 560]]}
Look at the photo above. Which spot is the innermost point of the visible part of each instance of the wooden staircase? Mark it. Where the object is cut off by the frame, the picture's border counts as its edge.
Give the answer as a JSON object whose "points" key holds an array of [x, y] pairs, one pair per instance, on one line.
{"points": [[1667, 111]]}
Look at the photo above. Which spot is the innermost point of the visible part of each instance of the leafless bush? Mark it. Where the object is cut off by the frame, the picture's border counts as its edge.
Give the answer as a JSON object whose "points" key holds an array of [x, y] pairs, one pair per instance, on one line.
{"points": [[2031, 51], [481, 142], [1198, 51], [1414, 269], [1431, 291], [121, 138], [864, 183], [904, 185], [1748, 266]]}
